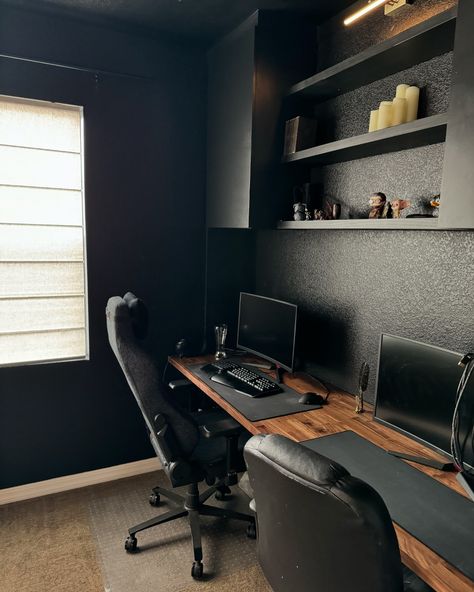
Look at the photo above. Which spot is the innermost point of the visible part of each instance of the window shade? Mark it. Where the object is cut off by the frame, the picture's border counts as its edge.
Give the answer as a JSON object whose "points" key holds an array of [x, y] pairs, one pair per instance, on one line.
{"points": [[43, 312]]}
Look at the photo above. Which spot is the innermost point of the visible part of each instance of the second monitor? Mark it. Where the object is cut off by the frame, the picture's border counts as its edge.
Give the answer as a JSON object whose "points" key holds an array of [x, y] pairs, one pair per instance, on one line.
{"points": [[267, 328]]}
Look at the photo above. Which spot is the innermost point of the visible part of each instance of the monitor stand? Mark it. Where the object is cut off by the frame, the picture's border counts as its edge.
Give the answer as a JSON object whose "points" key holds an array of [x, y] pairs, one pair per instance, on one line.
{"points": [[279, 374], [421, 460]]}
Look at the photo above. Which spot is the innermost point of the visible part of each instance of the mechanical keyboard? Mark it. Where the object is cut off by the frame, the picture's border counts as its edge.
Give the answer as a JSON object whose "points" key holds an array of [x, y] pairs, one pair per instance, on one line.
{"points": [[244, 381]]}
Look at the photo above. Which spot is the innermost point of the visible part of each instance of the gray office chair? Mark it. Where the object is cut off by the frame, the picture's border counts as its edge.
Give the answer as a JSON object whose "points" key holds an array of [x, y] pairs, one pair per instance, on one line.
{"points": [[191, 448], [319, 528]]}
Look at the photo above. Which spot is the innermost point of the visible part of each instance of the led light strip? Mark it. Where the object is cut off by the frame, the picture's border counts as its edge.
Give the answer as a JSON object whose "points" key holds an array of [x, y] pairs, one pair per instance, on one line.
{"points": [[363, 11]]}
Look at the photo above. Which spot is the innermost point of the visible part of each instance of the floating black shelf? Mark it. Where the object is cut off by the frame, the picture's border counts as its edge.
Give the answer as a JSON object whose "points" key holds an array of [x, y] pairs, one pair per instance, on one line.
{"points": [[418, 44], [362, 224], [422, 132]]}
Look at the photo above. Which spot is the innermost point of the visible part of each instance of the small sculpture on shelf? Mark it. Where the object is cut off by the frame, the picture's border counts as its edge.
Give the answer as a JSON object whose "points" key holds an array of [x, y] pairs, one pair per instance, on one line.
{"points": [[320, 214], [398, 205], [303, 198], [327, 211], [301, 212], [380, 208], [435, 203]]}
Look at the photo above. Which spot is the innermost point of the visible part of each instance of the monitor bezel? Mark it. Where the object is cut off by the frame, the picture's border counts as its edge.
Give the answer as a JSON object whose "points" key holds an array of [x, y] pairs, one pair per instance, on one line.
{"points": [[260, 354], [393, 426]]}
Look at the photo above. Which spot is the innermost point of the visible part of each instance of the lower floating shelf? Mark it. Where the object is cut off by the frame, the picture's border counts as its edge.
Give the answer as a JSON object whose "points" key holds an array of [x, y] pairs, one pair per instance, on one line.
{"points": [[364, 224], [422, 132]]}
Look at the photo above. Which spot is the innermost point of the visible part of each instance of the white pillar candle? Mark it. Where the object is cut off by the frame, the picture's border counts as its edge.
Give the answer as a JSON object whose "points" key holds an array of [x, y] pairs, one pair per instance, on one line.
{"points": [[374, 116], [412, 96], [401, 91], [399, 112], [385, 115]]}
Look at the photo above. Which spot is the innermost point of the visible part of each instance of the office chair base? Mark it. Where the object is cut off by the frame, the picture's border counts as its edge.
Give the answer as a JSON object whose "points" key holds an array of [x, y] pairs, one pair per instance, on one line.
{"points": [[197, 570], [191, 505], [131, 545], [222, 493], [154, 499]]}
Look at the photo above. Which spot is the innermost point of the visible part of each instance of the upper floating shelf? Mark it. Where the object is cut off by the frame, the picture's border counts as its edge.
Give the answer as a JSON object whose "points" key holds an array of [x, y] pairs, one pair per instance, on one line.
{"points": [[418, 44], [422, 132]]}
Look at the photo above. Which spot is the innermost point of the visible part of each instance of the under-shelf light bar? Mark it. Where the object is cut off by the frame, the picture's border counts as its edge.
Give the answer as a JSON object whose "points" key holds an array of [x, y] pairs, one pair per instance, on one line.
{"points": [[363, 11]]}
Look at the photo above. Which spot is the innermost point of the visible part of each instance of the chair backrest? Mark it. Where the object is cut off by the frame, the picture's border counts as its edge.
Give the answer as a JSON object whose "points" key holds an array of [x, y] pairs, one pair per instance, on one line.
{"points": [[127, 321], [319, 528]]}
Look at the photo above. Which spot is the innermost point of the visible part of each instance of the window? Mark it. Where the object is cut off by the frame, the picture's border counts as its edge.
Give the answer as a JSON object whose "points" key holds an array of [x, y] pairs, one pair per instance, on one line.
{"points": [[43, 310]]}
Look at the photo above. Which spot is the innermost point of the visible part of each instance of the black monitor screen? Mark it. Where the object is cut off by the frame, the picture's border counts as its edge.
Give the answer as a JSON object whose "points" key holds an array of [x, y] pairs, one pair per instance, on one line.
{"points": [[416, 393], [267, 328]]}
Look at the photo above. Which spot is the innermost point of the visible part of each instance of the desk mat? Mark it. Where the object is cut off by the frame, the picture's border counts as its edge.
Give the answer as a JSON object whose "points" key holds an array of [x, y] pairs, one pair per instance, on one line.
{"points": [[256, 409], [437, 516]]}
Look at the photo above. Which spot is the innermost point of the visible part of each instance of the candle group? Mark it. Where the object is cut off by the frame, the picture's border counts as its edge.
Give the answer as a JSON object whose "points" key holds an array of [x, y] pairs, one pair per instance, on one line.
{"points": [[402, 109]]}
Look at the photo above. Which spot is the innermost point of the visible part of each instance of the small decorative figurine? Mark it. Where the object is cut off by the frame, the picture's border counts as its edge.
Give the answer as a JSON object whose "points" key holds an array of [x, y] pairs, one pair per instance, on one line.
{"points": [[398, 205], [380, 207], [435, 203], [363, 383], [327, 210], [301, 212], [320, 214]]}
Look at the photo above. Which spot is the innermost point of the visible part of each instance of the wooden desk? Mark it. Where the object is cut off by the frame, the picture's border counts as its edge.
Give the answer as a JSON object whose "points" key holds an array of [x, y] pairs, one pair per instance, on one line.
{"points": [[339, 416]]}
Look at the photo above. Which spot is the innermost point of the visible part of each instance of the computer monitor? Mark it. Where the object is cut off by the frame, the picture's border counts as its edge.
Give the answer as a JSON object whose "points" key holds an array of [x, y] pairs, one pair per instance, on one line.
{"points": [[267, 328], [416, 393]]}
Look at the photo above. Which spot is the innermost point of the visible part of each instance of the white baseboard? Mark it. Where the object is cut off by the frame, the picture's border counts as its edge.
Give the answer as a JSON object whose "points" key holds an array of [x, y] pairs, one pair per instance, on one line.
{"points": [[31, 490]]}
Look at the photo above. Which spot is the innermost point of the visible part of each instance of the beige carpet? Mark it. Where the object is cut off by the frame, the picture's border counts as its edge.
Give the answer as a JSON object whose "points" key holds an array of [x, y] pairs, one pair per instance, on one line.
{"points": [[245, 580], [73, 542], [166, 554], [47, 546]]}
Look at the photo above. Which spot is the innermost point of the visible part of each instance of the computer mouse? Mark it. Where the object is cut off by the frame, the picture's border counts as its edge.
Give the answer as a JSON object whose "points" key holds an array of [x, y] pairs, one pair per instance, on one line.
{"points": [[311, 399]]}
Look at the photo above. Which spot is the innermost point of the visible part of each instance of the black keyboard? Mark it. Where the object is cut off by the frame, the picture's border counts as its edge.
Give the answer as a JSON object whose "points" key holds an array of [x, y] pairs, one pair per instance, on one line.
{"points": [[244, 381]]}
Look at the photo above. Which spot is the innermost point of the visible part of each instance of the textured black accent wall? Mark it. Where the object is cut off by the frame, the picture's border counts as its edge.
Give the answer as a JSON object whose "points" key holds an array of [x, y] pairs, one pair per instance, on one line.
{"points": [[353, 285], [145, 173], [336, 42]]}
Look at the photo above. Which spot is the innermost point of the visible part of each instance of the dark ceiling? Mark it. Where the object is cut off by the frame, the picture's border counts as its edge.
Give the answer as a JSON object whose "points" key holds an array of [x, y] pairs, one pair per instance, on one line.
{"points": [[201, 21]]}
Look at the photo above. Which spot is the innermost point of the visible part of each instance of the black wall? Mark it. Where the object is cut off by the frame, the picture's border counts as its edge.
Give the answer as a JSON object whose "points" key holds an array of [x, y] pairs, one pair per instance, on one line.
{"points": [[144, 192], [353, 285]]}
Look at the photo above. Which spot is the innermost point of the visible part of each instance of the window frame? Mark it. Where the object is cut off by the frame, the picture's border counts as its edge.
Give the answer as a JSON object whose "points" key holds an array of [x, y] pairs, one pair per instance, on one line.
{"points": [[86, 356]]}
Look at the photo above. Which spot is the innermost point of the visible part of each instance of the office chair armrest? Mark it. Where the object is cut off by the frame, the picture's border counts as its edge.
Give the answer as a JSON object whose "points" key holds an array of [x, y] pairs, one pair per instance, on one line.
{"points": [[225, 427]]}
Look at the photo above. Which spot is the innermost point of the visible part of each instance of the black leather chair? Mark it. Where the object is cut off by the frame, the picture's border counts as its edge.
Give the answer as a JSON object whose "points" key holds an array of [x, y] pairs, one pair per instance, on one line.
{"points": [[191, 448], [319, 528]]}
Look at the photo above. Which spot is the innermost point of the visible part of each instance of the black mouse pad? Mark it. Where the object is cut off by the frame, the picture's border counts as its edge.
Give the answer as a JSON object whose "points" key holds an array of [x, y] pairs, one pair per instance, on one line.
{"points": [[255, 409], [437, 516]]}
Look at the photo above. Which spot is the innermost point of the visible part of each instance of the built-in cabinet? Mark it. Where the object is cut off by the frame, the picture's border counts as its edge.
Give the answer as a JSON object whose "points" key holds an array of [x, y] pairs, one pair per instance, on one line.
{"points": [[251, 93], [249, 72]]}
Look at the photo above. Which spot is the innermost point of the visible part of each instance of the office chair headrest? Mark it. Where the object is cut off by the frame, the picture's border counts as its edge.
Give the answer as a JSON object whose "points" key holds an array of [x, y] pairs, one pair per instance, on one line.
{"points": [[138, 315], [296, 459]]}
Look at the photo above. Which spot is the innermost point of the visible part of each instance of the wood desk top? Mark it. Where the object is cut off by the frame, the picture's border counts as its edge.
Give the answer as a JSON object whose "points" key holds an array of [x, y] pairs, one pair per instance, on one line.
{"points": [[337, 416]]}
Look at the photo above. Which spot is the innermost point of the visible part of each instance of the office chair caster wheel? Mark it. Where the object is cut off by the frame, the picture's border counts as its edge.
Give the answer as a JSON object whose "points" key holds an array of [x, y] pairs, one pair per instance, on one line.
{"points": [[222, 493], [154, 499], [252, 531], [197, 570], [131, 544]]}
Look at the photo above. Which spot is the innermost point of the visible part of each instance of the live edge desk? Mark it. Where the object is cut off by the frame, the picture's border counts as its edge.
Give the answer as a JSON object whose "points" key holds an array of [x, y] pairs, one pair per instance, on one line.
{"points": [[337, 416]]}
